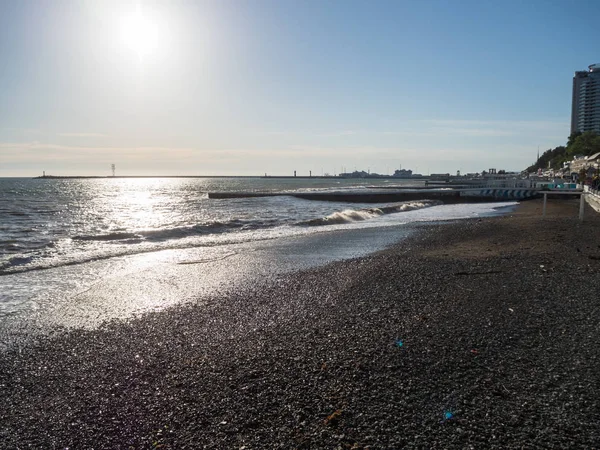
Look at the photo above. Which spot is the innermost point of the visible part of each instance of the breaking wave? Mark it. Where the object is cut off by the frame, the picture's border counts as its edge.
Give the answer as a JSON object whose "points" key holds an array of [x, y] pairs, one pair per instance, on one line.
{"points": [[355, 215], [179, 232]]}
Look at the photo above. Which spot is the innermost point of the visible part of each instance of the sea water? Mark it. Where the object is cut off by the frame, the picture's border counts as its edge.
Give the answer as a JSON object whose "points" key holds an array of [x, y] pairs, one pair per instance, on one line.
{"points": [[62, 238]]}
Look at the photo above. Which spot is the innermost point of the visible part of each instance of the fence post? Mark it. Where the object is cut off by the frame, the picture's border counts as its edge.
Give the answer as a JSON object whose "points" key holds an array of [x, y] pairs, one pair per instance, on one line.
{"points": [[544, 207]]}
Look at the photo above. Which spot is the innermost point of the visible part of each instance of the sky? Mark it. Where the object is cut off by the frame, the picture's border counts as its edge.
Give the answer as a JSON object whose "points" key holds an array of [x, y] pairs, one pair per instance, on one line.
{"points": [[249, 87]]}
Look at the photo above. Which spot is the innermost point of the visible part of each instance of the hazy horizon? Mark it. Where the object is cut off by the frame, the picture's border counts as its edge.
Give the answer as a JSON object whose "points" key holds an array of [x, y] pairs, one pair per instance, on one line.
{"points": [[247, 88]]}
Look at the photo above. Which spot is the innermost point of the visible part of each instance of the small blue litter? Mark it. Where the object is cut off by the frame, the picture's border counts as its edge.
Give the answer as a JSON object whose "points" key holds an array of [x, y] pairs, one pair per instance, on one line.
{"points": [[399, 343], [448, 415]]}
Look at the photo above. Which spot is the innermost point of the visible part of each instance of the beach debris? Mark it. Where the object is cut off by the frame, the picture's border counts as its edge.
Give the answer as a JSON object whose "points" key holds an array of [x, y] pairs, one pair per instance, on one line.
{"points": [[447, 416], [399, 343], [511, 310], [333, 418], [474, 351]]}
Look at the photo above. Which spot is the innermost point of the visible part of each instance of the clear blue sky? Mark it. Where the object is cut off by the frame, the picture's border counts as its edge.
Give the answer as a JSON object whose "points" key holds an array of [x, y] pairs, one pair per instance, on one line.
{"points": [[248, 87]]}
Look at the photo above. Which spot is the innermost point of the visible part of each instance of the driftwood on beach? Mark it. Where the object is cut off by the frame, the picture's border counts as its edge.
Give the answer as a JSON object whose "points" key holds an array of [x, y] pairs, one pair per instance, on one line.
{"points": [[479, 333]]}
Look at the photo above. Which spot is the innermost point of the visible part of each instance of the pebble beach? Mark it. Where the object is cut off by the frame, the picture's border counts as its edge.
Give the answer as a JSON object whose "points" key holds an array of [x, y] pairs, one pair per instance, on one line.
{"points": [[480, 333]]}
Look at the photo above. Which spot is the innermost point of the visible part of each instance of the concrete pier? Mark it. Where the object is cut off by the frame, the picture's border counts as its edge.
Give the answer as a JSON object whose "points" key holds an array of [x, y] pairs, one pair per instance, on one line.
{"points": [[448, 196]]}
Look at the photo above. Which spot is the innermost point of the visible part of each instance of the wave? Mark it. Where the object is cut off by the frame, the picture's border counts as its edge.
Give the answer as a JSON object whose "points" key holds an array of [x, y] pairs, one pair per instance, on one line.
{"points": [[31, 263], [131, 243], [178, 232], [347, 216], [355, 215], [107, 237], [93, 247]]}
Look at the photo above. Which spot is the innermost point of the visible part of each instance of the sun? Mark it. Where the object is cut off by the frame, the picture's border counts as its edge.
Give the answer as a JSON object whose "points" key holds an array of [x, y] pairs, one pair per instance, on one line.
{"points": [[140, 34]]}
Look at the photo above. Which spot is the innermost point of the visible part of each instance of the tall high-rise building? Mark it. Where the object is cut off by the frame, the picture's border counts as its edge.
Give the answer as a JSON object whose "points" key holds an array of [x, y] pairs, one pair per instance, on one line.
{"points": [[585, 110]]}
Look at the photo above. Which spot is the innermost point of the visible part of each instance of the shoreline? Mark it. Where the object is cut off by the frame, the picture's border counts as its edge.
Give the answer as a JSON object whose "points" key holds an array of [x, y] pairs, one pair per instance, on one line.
{"points": [[497, 322], [93, 289]]}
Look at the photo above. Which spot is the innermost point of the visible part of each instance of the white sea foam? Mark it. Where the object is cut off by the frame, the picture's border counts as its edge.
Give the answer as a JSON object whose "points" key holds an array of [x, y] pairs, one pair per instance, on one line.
{"points": [[357, 215], [348, 216]]}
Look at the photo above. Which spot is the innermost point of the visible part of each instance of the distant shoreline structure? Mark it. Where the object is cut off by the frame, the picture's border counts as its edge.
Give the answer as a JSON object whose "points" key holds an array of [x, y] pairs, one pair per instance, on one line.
{"points": [[400, 174], [79, 177], [305, 177]]}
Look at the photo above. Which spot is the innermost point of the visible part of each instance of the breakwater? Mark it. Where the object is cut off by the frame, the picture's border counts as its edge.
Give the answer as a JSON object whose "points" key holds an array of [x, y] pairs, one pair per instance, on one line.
{"points": [[444, 196]]}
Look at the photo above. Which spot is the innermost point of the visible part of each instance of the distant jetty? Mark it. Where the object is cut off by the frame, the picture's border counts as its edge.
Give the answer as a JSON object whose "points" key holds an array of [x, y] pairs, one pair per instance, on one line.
{"points": [[447, 196], [88, 177], [341, 176]]}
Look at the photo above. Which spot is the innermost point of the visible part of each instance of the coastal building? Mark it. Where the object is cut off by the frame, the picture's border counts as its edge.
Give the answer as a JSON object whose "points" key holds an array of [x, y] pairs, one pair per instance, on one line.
{"points": [[403, 173], [590, 163], [585, 107]]}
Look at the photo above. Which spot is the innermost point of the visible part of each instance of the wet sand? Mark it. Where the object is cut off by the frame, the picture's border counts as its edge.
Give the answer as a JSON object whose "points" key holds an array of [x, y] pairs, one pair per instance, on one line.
{"points": [[479, 333]]}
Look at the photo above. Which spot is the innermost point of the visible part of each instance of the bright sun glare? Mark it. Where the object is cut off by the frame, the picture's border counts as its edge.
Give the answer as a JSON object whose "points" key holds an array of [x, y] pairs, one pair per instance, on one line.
{"points": [[140, 34]]}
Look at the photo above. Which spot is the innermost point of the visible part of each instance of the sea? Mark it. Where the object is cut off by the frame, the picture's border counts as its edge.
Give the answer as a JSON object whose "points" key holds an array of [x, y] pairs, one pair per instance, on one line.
{"points": [[104, 239]]}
